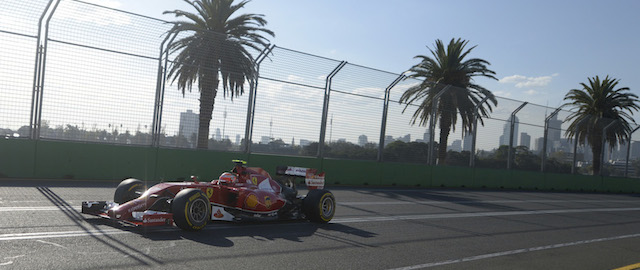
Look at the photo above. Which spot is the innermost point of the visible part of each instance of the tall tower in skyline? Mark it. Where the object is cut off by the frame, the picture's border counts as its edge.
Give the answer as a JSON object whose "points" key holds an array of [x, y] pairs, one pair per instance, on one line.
{"points": [[188, 125], [525, 140], [504, 138]]}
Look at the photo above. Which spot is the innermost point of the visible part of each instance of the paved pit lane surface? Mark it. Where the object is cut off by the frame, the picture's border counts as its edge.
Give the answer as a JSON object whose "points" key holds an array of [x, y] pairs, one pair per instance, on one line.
{"points": [[41, 228]]}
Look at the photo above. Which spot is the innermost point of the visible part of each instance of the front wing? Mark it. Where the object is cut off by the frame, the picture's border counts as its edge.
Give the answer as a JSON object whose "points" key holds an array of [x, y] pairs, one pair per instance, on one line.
{"points": [[146, 218]]}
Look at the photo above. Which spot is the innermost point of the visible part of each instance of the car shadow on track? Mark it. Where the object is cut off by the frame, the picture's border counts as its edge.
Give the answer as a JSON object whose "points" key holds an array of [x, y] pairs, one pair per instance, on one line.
{"points": [[96, 232], [220, 234]]}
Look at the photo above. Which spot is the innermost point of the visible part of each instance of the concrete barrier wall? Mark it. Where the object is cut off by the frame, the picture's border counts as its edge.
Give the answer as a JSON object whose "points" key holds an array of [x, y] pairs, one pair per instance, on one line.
{"points": [[70, 160]]}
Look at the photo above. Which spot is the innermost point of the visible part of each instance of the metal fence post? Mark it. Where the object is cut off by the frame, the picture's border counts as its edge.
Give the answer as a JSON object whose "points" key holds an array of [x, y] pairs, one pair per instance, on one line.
{"points": [[604, 140], [575, 147], [39, 71], [511, 131], [543, 154], [160, 87], [251, 105], [474, 132], [626, 164], [325, 108], [385, 110]]}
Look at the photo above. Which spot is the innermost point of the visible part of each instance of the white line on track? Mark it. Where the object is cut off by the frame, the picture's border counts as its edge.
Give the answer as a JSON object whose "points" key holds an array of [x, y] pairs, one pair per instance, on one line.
{"points": [[478, 214], [424, 202], [430, 202], [32, 208], [100, 232], [513, 252]]}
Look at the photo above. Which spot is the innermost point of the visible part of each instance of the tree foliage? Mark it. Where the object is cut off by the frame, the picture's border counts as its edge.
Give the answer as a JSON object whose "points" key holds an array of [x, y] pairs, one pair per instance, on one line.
{"points": [[598, 104], [448, 66], [211, 44]]}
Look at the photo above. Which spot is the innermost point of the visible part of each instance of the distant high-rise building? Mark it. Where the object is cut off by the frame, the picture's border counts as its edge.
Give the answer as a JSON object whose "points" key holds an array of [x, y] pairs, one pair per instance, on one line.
{"points": [[506, 130], [525, 140], [466, 141], [362, 140], [405, 138], [539, 143], [188, 125], [388, 139], [635, 150], [237, 139], [426, 136], [554, 133], [218, 135], [455, 146], [265, 140], [304, 142]]}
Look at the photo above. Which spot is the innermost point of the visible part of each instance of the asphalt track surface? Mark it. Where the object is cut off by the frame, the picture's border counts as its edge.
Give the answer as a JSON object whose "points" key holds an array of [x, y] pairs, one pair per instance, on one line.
{"points": [[374, 228]]}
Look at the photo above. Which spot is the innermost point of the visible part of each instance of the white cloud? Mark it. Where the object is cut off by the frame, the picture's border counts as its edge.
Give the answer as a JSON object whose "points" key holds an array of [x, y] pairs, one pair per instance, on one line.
{"points": [[97, 15], [531, 92], [295, 79], [106, 3], [502, 94], [521, 81]]}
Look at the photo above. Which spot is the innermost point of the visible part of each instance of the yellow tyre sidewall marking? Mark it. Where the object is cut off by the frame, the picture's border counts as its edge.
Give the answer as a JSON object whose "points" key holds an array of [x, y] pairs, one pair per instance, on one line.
{"points": [[320, 207], [134, 186], [186, 207]]}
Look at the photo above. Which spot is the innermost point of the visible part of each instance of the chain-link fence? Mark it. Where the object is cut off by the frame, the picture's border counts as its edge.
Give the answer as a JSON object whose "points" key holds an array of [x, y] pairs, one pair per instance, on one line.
{"points": [[72, 70]]}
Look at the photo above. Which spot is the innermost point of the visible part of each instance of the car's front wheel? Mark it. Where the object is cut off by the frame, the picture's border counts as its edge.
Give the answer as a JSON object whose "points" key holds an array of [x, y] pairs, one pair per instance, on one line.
{"points": [[191, 209], [128, 190]]}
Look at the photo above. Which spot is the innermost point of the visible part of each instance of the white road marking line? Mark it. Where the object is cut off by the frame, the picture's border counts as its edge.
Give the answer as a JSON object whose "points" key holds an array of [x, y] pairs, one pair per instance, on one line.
{"points": [[477, 214], [44, 235], [513, 252], [428, 202], [51, 243], [34, 208], [424, 202], [10, 258]]}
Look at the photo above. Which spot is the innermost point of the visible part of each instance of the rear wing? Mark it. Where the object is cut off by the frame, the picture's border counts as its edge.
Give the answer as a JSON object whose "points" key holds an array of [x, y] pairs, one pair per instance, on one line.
{"points": [[312, 178]]}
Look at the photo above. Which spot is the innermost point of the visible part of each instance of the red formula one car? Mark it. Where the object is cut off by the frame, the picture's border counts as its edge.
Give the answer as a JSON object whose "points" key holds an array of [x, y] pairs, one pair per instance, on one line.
{"points": [[245, 193]]}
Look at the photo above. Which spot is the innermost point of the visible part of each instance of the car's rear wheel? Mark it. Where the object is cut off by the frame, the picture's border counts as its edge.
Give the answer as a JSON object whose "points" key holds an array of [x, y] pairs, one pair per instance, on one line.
{"points": [[191, 209], [319, 205], [128, 190]]}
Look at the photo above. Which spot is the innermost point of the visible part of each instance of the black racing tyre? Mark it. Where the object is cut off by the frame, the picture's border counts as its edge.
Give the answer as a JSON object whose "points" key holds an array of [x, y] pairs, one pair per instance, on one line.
{"points": [[191, 209], [319, 205], [128, 190]]}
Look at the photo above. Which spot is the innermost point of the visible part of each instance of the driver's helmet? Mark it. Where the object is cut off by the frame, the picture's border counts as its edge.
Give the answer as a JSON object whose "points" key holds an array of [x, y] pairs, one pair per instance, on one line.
{"points": [[228, 177]]}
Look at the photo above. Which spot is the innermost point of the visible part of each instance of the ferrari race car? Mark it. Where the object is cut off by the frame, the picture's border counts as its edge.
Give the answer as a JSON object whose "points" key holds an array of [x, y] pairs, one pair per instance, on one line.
{"points": [[245, 193]]}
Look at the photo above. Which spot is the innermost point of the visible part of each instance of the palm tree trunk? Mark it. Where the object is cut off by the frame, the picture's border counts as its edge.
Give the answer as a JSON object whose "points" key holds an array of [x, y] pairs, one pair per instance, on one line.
{"points": [[445, 128], [208, 91], [596, 149]]}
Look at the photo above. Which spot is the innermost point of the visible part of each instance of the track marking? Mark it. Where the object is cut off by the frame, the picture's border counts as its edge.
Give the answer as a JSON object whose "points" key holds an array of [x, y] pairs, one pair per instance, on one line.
{"points": [[425, 202], [44, 235], [519, 251], [50, 243], [430, 202], [10, 260], [629, 267], [478, 214], [33, 208]]}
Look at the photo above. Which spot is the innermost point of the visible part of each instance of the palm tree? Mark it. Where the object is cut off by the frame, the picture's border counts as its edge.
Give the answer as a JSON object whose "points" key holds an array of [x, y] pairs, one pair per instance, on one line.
{"points": [[449, 67], [597, 105], [213, 44]]}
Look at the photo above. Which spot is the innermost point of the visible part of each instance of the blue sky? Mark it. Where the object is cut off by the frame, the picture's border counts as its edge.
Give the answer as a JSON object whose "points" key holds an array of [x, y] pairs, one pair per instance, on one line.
{"points": [[539, 49]]}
